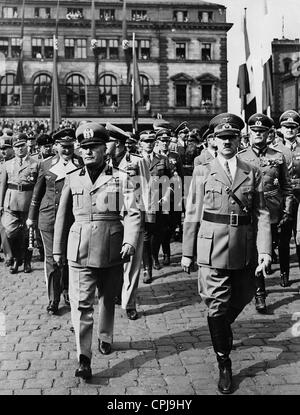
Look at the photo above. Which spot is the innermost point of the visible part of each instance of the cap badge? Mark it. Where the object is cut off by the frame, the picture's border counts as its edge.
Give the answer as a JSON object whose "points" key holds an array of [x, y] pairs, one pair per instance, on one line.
{"points": [[290, 119], [258, 123], [226, 126], [88, 133]]}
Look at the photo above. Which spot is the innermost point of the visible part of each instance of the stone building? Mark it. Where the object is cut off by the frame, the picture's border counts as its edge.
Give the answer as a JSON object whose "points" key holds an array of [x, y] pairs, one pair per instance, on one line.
{"points": [[181, 49]]}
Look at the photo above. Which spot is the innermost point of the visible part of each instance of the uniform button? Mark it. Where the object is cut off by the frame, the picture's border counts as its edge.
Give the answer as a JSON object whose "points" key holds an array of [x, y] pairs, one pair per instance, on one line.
{"points": [[233, 202], [94, 203], [56, 191]]}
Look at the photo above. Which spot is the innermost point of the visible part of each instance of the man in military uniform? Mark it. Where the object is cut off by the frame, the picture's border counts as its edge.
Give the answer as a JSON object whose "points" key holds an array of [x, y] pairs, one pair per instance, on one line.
{"points": [[176, 171], [137, 168], [277, 191], [7, 153], [100, 197], [43, 209], [156, 215], [289, 126], [209, 153], [226, 215], [44, 143], [18, 179], [131, 144]]}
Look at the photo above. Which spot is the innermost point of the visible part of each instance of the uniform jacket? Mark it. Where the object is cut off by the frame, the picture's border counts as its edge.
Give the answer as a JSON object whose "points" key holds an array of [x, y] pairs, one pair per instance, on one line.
{"points": [[13, 173], [275, 178], [47, 192], [158, 168], [293, 162], [204, 158], [221, 245], [97, 234], [188, 155]]}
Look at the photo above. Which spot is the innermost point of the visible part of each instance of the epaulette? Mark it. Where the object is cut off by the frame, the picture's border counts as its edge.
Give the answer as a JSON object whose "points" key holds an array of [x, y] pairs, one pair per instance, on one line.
{"points": [[78, 168], [275, 149], [243, 150], [116, 168], [137, 155]]}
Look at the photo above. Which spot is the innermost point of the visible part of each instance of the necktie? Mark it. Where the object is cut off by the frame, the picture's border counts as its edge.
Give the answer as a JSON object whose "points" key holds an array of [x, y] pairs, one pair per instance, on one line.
{"points": [[149, 159], [216, 154], [20, 161], [228, 171]]}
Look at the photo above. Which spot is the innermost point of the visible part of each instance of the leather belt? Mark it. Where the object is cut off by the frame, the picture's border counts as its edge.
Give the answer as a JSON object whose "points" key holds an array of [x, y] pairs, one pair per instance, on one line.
{"points": [[97, 216], [232, 219], [20, 187]]}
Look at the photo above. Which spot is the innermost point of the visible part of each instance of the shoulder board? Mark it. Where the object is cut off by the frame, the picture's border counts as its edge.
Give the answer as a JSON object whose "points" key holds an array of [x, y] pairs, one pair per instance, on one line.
{"points": [[72, 171], [118, 169], [242, 151], [136, 155], [277, 150]]}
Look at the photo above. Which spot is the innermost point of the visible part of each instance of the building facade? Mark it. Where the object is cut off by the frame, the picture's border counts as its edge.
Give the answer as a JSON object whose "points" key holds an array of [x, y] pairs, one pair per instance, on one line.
{"points": [[286, 73], [181, 49]]}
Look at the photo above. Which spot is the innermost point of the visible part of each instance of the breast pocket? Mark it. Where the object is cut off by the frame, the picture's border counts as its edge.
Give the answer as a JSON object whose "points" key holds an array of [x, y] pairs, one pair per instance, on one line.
{"points": [[77, 194], [213, 196], [115, 243]]}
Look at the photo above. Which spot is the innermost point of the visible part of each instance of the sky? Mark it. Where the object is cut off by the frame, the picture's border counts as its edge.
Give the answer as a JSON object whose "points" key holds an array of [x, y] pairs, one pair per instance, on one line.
{"points": [[282, 20]]}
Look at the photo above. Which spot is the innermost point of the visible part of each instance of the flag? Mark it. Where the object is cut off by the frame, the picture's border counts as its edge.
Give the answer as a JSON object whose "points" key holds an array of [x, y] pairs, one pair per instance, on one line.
{"points": [[94, 43], [267, 65], [125, 42], [55, 110], [136, 89], [245, 80], [20, 79]]}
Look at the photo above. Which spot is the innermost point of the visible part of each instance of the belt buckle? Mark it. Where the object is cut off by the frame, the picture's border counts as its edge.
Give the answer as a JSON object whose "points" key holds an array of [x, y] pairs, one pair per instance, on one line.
{"points": [[234, 219], [19, 187]]}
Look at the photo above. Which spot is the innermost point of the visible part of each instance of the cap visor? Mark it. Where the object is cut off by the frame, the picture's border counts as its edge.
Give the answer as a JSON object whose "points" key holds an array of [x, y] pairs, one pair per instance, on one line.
{"points": [[227, 132]]}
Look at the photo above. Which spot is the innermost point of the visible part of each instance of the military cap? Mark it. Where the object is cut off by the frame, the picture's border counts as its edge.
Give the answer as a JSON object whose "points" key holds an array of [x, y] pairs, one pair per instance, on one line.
{"points": [[226, 124], [5, 141], [64, 136], [116, 132], [163, 135], [20, 139], [260, 122], [92, 133], [147, 135], [161, 123], [182, 127], [290, 118], [7, 131], [44, 140]]}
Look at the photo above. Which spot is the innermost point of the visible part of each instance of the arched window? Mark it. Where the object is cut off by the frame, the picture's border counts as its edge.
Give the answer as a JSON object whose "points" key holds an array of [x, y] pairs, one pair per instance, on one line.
{"points": [[108, 91], [9, 92], [145, 89], [76, 93], [42, 90]]}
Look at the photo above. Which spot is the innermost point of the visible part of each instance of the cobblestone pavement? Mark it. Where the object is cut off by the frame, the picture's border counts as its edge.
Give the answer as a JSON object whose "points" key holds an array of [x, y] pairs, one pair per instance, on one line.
{"points": [[167, 351]]}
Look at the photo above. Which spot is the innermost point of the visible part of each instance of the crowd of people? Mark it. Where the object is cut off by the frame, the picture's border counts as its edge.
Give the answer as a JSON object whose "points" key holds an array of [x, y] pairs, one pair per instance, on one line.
{"points": [[102, 203]]}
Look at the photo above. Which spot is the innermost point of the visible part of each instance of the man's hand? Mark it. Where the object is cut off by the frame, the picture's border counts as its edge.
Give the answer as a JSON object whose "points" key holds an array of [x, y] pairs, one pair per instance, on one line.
{"points": [[59, 259], [186, 264], [30, 222], [127, 250], [264, 263]]}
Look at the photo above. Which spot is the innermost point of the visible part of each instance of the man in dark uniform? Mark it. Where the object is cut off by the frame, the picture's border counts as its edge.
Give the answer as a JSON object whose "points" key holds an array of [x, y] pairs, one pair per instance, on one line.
{"points": [[156, 217], [226, 215], [43, 209], [174, 218], [100, 197], [18, 179], [137, 168], [277, 191], [44, 144], [289, 123], [7, 153]]}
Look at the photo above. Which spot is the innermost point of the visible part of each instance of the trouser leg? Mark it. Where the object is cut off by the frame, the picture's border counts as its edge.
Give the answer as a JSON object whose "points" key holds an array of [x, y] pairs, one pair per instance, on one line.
{"points": [[147, 249], [107, 283], [82, 287], [5, 243]]}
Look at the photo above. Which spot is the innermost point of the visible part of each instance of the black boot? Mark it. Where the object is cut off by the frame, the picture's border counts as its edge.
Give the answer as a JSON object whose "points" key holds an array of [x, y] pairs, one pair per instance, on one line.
{"points": [[14, 267], [147, 279], [284, 279], [27, 261], [260, 294], [221, 336], [84, 370]]}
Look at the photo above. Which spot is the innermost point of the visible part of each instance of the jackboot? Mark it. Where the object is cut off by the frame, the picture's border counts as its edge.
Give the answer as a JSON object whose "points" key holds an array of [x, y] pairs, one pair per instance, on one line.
{"points": [[147, 279], [221, 336], [27, 261], [284, 279], [260, 294]]}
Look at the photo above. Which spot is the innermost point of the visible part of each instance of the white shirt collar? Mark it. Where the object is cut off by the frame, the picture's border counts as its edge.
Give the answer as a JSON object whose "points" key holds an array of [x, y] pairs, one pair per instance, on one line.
{"points": [[232, 163]]}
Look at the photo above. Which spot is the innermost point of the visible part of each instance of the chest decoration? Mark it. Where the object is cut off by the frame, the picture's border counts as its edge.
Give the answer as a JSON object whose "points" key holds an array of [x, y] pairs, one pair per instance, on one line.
{"points": [[264, 162]]}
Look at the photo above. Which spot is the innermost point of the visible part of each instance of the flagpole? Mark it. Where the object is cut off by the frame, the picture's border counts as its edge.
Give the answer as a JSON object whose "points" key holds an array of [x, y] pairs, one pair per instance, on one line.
{"points": [[133, 105], [94, 44], [55, 110], [20, 73]]}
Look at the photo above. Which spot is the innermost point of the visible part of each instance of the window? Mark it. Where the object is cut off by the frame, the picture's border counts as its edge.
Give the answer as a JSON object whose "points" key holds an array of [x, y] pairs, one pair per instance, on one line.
{"points": [[205, 17], [206, 52], [180, 95], [42, 86], [108, 91], [42, 12], [76, 91], [145, 89], [206, 94], [9, 92], [74, 14], [15, 47], [287, 64], [4, 46], [107, 14], [48, 48], [180, 51], [180, 16], [108, 49], [142, 49], [36, 48], [10, 12], [75, 48], [139, 15]]}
